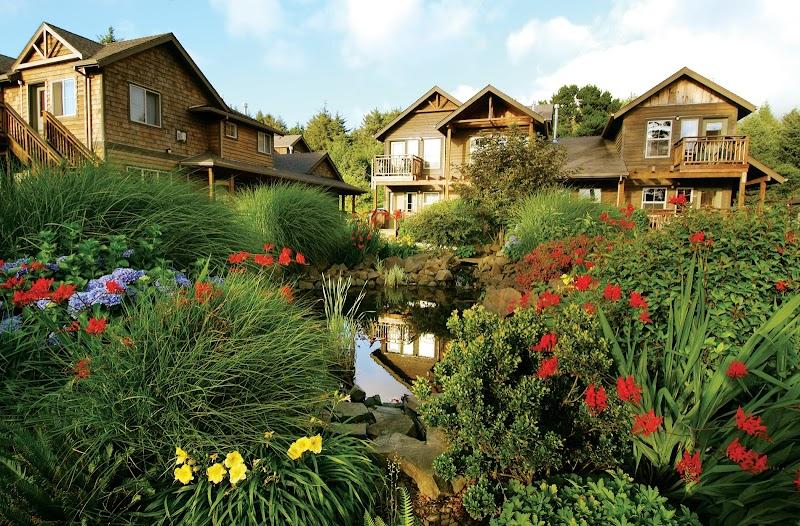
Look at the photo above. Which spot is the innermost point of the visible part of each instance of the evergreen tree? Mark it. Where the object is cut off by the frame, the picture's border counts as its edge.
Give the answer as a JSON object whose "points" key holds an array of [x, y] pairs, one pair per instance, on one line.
{"points": [[323, 129], [790, 138], [764, 130], [272, 120], [108, 37], [583, 111]]}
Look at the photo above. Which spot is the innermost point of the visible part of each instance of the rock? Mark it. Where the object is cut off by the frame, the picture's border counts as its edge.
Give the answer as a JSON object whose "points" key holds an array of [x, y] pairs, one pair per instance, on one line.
{"points": [[305, 285], [393, 261], [352, 413], [498, 300], [372, 274], [354, 430], [372, 401], [415, 459], [411, 403], [444, 275], [386, 425], [357, 395], [414, 263]]}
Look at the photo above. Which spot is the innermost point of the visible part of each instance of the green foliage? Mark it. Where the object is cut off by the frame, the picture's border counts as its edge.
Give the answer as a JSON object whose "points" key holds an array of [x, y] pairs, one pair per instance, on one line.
{"points": [[508, 168], [97, 202], [448, 224], [405, 515], [400, 247], [272, 120], [108, 37], [749, 254], [332, 487], [777, 144], [304, 218], [790, 138], [394, 277], [552, 214], [764, 130], [323, 129], [584, 110], [698, 405], [343, 322], [610, 499], [503, 421]]}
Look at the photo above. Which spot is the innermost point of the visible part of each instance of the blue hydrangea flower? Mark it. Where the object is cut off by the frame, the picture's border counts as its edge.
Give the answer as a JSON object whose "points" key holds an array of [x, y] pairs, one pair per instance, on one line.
{"points": [[217, 280], [96, 296], [53, 267], [11, 265], [10, 324], [43, 304], [181, 280], [128, 253]]}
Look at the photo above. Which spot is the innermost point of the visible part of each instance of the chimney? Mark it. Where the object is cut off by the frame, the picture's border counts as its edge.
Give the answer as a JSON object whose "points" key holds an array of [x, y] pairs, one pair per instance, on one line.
{"points": [[555, 123]]}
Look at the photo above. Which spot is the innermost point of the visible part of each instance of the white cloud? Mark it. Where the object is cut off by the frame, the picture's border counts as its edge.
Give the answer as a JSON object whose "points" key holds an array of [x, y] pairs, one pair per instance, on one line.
{"points": [[464, 92], [557, 36], [752, 48], [250, 18]]}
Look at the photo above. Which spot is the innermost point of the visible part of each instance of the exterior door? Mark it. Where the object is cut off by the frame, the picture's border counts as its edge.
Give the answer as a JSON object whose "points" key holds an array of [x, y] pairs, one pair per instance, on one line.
{"points": [[37, 105]]}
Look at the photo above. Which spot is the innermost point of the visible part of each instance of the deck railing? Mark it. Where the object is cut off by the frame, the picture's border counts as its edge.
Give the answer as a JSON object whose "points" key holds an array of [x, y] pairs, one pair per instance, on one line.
{"points": [[397, 167], [704, 152], [64, 142], [25, 141]]}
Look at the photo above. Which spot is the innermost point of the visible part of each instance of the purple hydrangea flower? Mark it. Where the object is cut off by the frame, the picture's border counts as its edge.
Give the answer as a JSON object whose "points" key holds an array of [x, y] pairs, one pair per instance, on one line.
{"points": [[11, 265], [182, 280], [43, 304], [128, 253]]}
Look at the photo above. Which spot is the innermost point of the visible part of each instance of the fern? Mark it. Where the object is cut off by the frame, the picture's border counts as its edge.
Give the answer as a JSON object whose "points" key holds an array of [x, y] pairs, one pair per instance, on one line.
{"points": [[407, 510]]}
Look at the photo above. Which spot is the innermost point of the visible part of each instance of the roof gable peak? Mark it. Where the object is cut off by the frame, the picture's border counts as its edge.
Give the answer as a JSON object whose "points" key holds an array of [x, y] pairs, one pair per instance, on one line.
{"points": [[50, 44], [437, 99]]}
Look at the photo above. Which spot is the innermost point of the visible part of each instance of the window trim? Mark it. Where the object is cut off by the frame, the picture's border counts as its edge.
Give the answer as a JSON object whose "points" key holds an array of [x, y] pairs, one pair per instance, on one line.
{"points": [[425, 204], [131, 85], [691, 193], [662, 203], [668, 140], [49, 96], [235, 128], [268, 146]]}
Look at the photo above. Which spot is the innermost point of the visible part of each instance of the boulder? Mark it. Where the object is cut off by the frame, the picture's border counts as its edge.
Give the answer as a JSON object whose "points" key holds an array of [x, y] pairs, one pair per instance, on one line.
{"points": [[352, 413], [415, 459], [444, 275], [357, 395], [393, 261], [411, 403], [414, 263], [387, 425], [355, 430], [305, 285], [498, 300], [372, 401]]}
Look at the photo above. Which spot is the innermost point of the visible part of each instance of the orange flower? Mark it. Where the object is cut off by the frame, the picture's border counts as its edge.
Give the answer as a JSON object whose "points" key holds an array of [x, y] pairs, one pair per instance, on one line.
{"points": [[285, 257], [287, 293], [264, 260], [63, 292], [646, 424], [548, 367], [300, 259], [96, 326], [113, 287], [203, 291], [238, 257], [81, 368]]}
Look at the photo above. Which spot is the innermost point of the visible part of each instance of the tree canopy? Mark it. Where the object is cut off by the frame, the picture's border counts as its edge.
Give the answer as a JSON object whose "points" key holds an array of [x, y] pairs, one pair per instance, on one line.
{"points": [[108, 37], [583, 110], [272, 120], [776, 143]]}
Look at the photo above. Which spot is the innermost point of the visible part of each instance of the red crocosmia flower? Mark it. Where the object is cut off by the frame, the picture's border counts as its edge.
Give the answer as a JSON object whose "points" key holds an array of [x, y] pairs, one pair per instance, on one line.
{"points": [[36, 265], [127, 341], [264, 260], [627, 211], [40, 290], [588, 264], [604, 216], [637, 301], [96, 326], [2, 262], [697, 237], [72, 327], [797, 479], [646, 424], [589, 307], [287, 293], [113, 287], [644, 317], [612, 292], [547, 299], [689, 467], [524, 300], [81, 368], [628, 391], [748, 459], [203, 291], [546, 342], [781, 286], [238, 257], [583, 282], [737, 369], [63, 292], [12, 282], [678, 200], [595, 399], [548, 367], [751, 424], [300, 259], [285, 258], [268, 247]]}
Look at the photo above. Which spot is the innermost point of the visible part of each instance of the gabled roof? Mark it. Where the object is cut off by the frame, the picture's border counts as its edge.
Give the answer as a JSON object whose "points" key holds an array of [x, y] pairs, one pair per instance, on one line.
{"points": [[234, 116], [303, 162], [545, 110], [744, 107], [85, 46], [79, 46], [760, 168], [287, 141], [6, 63], [414, 105], [505, 98], [593, 157]]}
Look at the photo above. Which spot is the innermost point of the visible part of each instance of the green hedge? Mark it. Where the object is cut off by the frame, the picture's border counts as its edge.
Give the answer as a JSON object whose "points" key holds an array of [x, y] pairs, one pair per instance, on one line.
{"points": [[447, 224]]}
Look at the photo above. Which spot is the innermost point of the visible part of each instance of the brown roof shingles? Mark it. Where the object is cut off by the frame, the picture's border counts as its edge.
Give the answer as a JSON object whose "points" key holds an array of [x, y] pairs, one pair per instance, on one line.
{"points": [[593, 157], [85, 46], [6, 63]]}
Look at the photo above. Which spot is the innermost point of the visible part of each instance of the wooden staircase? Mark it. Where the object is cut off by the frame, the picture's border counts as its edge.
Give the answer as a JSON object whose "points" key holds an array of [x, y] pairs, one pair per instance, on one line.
{"points": [[58, 147]]}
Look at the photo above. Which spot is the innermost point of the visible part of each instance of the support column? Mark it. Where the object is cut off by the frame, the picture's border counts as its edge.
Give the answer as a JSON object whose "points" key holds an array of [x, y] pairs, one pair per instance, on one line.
{"points": [[211, 182], [375, 203], [762, 193], [742, 186], [620, 191], [448, 148], [353, 203]]}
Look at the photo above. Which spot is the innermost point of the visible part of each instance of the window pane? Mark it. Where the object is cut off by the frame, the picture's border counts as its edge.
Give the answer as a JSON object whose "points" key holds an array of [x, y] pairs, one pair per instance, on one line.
{"points": [[70, 104], [137, 104], [432, 153], [657, 148], [153, 109], [57, 98], [412, 147], [690, 128], [397, 147], [659, 129]]}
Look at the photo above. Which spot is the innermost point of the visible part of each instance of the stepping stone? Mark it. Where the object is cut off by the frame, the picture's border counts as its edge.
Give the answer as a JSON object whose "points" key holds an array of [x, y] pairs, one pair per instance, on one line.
{"points": [[389, 424], [352, 413], [353, 430]]}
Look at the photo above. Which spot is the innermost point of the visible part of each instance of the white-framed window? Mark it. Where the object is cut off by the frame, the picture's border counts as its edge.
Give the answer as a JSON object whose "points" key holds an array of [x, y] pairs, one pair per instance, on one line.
{"points": [[690, 127], [432, 153], [686, 191], [593, 194], [658, 138], [411, 202], [145, 106], [475, 144], [145, 172], [63, 97], [265, 143], [428, 198], [654, 197], [715, 127], [231, 130], [404, 147]]}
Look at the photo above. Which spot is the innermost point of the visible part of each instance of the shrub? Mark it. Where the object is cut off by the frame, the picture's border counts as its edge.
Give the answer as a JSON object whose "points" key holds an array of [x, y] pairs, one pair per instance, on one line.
{"points": [[752, 261], [291, 215], [448, 224], [742, 411], [394, 277], [362, 240], [96, 202], [554, 214], [610, 499], [511, 399]]}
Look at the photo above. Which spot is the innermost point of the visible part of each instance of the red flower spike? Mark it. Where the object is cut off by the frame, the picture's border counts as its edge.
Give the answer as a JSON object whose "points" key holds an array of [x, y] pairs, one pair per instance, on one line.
{"points": [[264, 260], [583, 282], [646, 424], [628, 391], [12, 282], [781, 286], [637, 301], [285, 258], [644, 317], [748, 459], [612, 292], [113, 287], [287, 293], [595, 399], [81, 368], [697, 237], [96, 326], [737, 369], [63, 292], [203, 291], [751, 424], [74, 326], [548, 367], [689, 467], [678, 200], [547, 299], [589, 307], [268, 247], [300, 259], [546, 342], [238, 257], [36, 265], [797, 479]]}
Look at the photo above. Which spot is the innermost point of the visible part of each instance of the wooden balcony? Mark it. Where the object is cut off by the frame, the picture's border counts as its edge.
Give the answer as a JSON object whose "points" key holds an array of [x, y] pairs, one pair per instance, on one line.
{"points": [[392, 168], [728, 152]]}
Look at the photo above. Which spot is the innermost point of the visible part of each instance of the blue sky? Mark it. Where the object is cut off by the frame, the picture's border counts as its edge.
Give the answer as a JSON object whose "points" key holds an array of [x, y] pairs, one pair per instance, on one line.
{"points": [[291, 58]]}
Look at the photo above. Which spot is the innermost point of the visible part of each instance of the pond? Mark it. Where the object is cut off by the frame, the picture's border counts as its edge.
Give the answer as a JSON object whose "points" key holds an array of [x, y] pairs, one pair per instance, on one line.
{"points": [[404, 333]]}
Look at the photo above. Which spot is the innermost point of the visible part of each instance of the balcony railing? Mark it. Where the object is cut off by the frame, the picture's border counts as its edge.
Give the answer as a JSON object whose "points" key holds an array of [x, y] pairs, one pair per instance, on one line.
{"points": [[697, 153], [396, 167]]}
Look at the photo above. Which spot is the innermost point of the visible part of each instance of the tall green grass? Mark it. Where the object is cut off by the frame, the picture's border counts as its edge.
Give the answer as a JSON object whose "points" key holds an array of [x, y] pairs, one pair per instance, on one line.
{"points": [[303, 218], [100, 200]]}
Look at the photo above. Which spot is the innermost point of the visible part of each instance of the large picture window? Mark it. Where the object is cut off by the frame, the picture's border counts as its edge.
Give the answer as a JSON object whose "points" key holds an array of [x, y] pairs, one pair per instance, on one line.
{"points": [[659, 138], [432, 153], [654, 197], [145, 106], [63, 98]]}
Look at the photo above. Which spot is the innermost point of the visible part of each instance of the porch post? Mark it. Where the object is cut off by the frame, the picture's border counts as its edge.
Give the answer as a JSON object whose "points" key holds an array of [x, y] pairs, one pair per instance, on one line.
{"points": [[353, 203], [447, 163], [375, 207], [762, 193], [211, 182], [620, 191], [742, 186]]}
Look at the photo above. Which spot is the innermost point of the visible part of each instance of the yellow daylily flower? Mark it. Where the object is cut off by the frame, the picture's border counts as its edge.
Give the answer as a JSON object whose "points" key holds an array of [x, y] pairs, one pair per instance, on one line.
{"points": [[184, 474], [304, 443], [216, 473], [237, 473], [295, 452], [233, 459], [315, 444], [181, 456], [213, 457]]}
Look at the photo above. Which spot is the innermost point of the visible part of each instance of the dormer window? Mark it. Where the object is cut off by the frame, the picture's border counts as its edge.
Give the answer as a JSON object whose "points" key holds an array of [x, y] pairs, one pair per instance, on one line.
{"points": [[658, 139], [231, 130]]}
